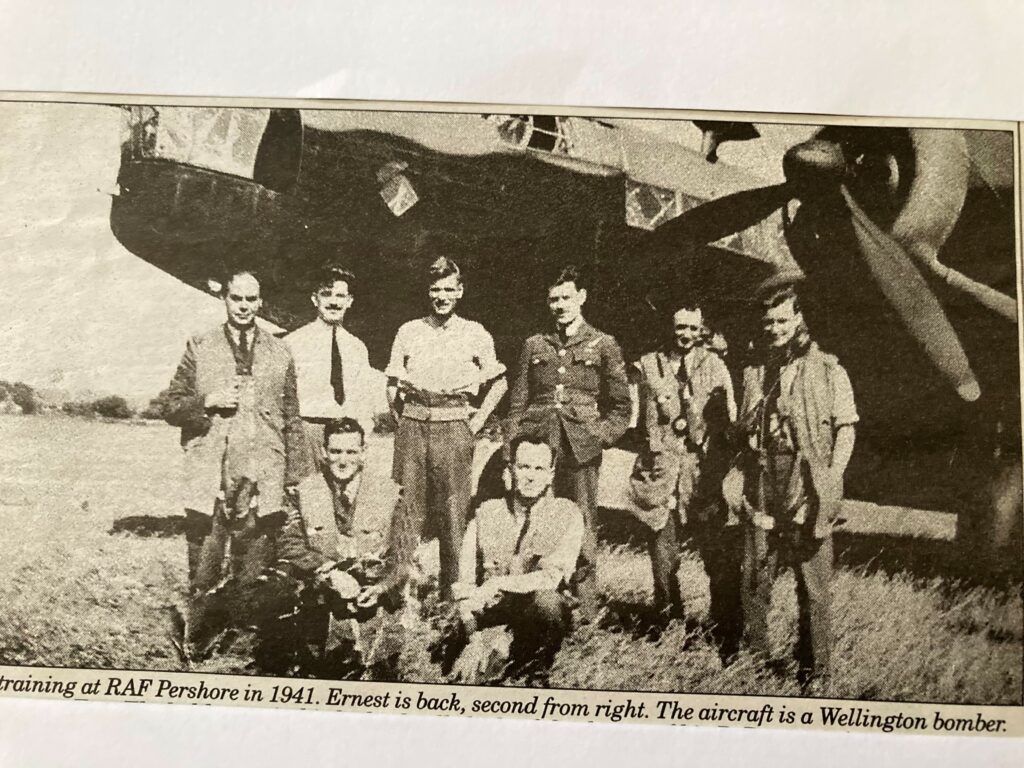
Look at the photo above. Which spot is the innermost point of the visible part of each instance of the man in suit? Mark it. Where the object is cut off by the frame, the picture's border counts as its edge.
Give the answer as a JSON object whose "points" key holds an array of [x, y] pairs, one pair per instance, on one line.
{"points": [[571, 390], [687, 409], [518, 557], [348, 559], [234, 398], [332, 366]]}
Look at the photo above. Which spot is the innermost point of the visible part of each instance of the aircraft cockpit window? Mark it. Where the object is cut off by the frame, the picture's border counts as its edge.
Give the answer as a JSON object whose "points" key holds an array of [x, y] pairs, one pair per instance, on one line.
{"points": [[544, 133]]}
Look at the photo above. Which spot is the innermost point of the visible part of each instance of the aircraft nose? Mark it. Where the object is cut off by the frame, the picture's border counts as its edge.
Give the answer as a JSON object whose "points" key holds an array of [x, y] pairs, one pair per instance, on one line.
{"points": [[815, 161]]}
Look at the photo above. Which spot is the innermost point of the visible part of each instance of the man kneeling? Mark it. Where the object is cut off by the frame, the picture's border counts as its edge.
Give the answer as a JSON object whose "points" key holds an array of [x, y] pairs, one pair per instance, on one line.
{"points": [[318, 609], [517, 557]]}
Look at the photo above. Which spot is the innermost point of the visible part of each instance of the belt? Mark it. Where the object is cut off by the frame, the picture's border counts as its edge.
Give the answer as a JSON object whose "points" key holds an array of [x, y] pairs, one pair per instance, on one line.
{"points": [[418, 412], [767, 522], [560, 400], [424, 405], [434, 399]]}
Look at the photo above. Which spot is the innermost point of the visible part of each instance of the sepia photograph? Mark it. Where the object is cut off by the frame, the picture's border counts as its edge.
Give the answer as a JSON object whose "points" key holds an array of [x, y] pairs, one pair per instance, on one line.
{"points": [[461, 396]]}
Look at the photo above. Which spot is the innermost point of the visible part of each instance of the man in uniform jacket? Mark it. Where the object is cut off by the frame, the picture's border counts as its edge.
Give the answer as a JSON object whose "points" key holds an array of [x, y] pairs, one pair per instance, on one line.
{"points": [[571, 390], [687, 409], [798, 417], [234, 398], [518, 556]]}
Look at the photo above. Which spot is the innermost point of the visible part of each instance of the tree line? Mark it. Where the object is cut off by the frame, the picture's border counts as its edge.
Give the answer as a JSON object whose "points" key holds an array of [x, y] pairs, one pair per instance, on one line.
{"points": [[20, 398]]}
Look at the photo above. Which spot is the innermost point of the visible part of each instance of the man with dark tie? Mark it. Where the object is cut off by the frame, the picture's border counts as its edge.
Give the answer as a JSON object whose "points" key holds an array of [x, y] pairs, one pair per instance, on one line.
{"points": [[345, 530], [571, 390], [686, 409], [332, 367], [518, 557], [234, 398]]}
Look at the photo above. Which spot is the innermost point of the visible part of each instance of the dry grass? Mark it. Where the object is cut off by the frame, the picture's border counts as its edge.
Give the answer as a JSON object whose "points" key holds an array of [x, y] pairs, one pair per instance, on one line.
{"points": [[74, 594]]}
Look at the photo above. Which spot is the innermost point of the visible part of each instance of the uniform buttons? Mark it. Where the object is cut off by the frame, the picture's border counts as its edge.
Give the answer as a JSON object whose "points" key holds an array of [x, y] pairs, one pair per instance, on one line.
{"points": [[561, 353], [562, 369], [559, 386]]}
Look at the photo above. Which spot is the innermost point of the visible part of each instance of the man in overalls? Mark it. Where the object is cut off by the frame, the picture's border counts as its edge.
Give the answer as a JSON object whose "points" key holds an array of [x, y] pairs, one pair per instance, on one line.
{"points": [[234, 398]]}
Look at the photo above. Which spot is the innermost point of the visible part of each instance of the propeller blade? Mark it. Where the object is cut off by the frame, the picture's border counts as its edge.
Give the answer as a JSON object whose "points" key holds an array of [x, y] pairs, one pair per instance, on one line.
{"points": [[721, 217], [906, 290], [987, 296]]}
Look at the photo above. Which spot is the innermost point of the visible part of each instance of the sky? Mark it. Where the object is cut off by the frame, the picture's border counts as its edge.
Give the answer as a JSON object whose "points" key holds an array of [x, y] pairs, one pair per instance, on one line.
{"points": [[78, 312]]}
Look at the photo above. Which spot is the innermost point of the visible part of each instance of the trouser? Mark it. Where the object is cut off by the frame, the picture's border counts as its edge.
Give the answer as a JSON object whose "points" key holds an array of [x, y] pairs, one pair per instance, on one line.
{"points": [[197, 528], [224, 565], [538, 622], [206, 543], [434, 465], [663, 546], [579, 482], [300, 636], [765, 553], [721, 550]]}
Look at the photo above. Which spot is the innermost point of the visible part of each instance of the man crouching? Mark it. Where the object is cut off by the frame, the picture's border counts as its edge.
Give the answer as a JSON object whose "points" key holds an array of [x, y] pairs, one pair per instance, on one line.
{"points": [[318, 611], [517, 556]]}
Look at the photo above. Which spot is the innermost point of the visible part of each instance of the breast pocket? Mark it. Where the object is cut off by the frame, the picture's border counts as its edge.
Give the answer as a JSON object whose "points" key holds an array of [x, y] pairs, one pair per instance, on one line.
{"points": [[587, 370]]}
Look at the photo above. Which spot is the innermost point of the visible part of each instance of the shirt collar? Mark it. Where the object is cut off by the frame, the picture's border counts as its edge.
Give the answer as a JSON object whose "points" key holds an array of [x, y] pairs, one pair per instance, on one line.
{"points": [[516, 507], [452, 321], [234, 333], [584, 332], [349, 491], [327, 326]]}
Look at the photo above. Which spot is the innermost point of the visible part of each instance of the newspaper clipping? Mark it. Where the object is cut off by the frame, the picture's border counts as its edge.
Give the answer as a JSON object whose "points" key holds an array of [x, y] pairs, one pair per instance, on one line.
{"points": [[507, 411]]}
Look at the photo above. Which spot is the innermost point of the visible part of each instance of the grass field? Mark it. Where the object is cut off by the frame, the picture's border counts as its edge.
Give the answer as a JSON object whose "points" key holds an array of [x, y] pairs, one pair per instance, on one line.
{"points": [[81, 586]]}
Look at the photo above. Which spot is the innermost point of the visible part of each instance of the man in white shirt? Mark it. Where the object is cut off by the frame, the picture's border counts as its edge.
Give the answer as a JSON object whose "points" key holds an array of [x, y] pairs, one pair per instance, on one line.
{"points": [[332, 367], [444, 380]]}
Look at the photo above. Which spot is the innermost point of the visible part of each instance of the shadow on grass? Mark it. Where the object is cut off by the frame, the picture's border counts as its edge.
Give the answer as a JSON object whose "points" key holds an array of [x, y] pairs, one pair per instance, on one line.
{"points": [[145, 526], [924, 559], [873, 553], [642, 621], [917, 557], [619, 527]]}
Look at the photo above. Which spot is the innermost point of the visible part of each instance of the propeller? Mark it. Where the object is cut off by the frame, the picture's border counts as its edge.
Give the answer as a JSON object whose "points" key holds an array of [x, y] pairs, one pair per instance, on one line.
{"points": [[917, 307], [815, 171]]}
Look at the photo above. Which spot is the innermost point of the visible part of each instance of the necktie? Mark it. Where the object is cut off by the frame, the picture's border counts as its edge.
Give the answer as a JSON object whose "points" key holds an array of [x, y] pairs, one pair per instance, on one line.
{"points": [[244, 362], [342, 509], [337, 377], [523, 531]]}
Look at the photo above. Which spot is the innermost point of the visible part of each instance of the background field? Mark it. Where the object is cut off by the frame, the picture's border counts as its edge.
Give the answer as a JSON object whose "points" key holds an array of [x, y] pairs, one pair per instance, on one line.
{"points": [[91, 556]]}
